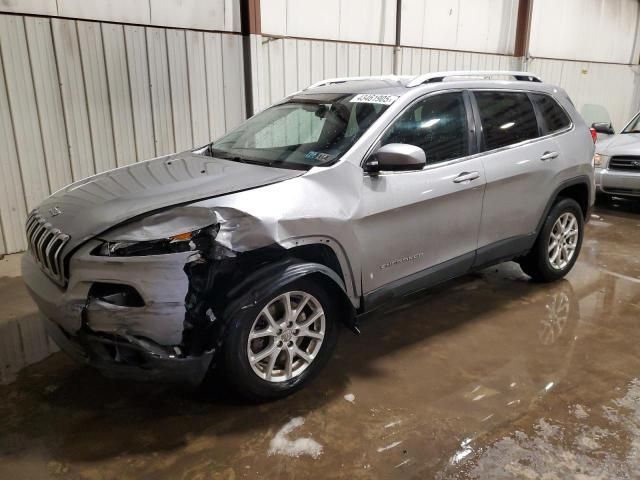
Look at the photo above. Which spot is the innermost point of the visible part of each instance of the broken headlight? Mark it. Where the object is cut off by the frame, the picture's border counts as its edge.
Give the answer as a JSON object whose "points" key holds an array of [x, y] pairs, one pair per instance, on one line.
{"points": [[200, 239]]}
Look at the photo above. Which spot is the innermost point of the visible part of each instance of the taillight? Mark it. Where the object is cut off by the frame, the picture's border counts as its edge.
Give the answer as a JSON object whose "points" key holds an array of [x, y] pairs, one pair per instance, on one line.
{"points": [[594, 134]]}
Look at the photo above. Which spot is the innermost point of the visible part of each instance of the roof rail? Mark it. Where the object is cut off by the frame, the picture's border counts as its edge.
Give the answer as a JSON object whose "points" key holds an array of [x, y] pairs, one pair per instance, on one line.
{"points": [[330, 81], [485, 74]]}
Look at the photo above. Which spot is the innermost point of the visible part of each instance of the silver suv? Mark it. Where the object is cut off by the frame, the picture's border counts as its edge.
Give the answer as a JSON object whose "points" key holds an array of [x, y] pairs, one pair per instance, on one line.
{"points": [[247, 254], [617, 161]]}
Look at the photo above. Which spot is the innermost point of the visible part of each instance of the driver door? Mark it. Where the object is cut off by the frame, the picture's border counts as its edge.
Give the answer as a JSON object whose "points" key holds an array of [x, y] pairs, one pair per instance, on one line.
{"points": [[421, 227]]}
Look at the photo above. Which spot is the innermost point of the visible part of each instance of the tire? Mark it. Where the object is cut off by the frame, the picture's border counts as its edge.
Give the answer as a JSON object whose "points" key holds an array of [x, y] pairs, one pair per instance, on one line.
{"points": [[253, 382], [540, 263]]}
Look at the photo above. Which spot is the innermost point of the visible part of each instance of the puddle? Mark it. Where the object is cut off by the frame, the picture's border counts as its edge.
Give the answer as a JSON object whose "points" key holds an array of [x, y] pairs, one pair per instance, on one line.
{"points": [[23, 340], [22, 343], [490, 376], [568, 448]]}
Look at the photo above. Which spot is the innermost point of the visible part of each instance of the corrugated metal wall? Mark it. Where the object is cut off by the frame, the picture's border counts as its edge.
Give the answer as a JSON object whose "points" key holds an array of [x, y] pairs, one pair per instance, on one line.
{"points": [[371, 21], [414, 61], [220, 15], [78, 97], [284, 65], [81, 97], [474, 25], [613, 88], [588, 30]]}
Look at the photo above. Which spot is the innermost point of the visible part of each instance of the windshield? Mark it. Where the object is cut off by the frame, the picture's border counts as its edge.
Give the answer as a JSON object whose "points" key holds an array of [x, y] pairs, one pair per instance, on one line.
{"points": [[634, 125], [306, 131]]}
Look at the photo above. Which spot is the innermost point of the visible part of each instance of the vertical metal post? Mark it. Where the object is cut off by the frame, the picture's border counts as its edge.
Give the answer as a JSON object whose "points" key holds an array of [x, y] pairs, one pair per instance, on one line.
{"points": [[396, 47], [249, 24], [523, 31]]}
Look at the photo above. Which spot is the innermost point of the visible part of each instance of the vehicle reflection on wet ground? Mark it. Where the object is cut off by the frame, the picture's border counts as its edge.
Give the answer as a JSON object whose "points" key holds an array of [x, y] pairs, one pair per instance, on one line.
{"points": [[489, 376]]}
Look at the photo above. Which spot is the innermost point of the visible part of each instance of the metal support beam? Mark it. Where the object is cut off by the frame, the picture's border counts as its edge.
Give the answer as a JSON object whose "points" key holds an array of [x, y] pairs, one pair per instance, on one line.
{"points": [[523, 28], [396, 48], [249, 24]]}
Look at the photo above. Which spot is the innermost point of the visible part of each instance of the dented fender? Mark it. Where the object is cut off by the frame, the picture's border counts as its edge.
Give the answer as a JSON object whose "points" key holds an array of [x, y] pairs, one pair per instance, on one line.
{"points": [[270, 278]]}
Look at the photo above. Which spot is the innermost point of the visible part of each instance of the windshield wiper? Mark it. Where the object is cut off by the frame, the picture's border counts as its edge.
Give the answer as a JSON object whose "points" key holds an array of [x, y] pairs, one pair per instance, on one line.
{"points": [[234, 157], [632, 131]]}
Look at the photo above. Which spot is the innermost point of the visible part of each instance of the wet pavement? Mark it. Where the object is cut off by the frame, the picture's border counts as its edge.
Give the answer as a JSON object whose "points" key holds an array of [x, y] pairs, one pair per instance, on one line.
{"points": [[489, 376]]}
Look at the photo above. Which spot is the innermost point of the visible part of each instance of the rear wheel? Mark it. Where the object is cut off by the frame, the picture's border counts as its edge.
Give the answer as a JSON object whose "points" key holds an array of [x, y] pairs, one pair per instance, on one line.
{"points": [[278, 345], [558, 245]]}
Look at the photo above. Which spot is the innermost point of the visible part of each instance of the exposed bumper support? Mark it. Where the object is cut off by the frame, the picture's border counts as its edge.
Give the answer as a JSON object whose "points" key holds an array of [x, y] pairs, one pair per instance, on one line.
{"points": [[123, 356]]}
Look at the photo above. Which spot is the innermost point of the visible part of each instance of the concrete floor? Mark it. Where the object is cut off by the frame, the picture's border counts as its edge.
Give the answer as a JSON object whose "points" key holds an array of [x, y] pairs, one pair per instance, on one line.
{"points": [[489, 376]]}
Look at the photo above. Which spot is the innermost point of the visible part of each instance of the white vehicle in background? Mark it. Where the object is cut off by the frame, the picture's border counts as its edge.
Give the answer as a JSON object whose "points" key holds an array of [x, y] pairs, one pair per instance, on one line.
{"points": [[617, 161]]}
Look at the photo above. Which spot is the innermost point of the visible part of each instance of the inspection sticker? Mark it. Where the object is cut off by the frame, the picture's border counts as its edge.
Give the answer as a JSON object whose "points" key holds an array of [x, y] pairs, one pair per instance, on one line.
{"points": [[373, 98]]}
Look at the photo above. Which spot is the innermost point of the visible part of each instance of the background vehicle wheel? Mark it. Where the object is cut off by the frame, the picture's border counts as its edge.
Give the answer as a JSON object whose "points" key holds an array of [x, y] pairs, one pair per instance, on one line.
{"points": [[275, 347], [558, 244]]}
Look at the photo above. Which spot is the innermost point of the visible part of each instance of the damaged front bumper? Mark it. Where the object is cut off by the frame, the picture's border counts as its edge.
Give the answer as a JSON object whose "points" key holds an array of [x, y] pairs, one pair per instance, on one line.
{"points": [[142, 342], [127, 357]]}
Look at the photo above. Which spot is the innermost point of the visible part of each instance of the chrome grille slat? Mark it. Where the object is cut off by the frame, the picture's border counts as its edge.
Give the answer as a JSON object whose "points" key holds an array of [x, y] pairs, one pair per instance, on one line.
{"points": [[50, 262], [38, 232], [626, 163], [31, 230], [46, 244], [31, 222], [40, 245]]}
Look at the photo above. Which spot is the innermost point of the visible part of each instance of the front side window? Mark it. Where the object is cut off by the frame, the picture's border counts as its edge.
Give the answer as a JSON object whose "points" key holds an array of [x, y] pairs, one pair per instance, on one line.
{"points": [[554, 116], [307, 131], [437, 124], [507, 118]]}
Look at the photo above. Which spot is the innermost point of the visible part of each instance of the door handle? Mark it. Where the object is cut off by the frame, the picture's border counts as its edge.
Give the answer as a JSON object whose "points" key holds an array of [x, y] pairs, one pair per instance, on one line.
{"points": [[548, 156], [466, 177]]}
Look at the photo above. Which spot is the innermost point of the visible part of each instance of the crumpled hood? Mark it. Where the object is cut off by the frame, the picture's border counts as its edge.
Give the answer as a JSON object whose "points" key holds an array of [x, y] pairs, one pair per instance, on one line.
{"points": [[87, 208], [621, 144]]}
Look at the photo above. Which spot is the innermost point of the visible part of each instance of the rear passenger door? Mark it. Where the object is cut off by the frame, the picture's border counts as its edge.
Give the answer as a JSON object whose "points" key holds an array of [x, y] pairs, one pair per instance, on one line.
{"points": [[519, 162]]}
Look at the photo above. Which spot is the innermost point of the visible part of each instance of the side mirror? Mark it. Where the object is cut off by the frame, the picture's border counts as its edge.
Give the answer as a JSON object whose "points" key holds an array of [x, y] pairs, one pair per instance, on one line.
{"points": [[396, 157], [603, 128]]}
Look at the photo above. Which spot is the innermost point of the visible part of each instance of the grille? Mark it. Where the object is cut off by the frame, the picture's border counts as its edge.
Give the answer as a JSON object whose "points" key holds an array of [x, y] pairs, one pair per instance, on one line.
{"points": [[630, 164], [623, 191], [46, 244]]}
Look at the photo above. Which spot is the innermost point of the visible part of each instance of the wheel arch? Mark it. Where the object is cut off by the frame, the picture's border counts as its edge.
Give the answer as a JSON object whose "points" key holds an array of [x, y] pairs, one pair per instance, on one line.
{"points": [[329, 252], [269, 278], [577, 188]]}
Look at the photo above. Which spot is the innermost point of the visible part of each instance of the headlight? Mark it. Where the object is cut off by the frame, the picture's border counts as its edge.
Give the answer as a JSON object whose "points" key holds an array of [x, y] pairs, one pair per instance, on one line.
{"points": [[179, 229], [180, 242], [599, 161]]}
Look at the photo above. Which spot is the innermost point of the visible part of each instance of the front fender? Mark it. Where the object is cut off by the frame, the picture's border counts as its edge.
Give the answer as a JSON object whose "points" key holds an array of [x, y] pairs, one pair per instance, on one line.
{"points": [[268, 279]]}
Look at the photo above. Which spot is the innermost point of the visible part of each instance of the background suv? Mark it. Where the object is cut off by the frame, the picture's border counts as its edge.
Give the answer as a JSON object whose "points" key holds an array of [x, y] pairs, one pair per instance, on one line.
{"points": [[247, 253], [617, 162]]}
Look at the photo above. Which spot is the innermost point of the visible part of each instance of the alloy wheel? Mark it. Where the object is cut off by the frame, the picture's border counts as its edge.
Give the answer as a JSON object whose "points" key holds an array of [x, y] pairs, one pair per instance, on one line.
{"points": [[286, 336], [563, 240]]}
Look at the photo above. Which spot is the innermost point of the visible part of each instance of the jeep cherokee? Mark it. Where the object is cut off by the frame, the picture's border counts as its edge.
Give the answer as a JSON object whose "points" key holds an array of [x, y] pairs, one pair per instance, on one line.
{"points": [[248, 253]]}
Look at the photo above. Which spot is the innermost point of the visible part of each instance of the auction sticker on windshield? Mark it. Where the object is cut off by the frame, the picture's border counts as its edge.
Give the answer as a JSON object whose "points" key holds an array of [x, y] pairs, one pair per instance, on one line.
{"points": [[373, 98]]}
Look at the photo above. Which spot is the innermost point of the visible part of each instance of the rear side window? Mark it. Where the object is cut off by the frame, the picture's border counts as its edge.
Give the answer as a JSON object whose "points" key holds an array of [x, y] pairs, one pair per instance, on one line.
{"points": [[553, 116], [437, 124], [507, 118]]}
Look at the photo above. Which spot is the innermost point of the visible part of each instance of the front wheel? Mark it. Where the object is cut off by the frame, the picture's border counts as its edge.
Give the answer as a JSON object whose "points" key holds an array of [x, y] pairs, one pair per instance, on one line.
{"points": [[281, 343], [558, 245]]}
